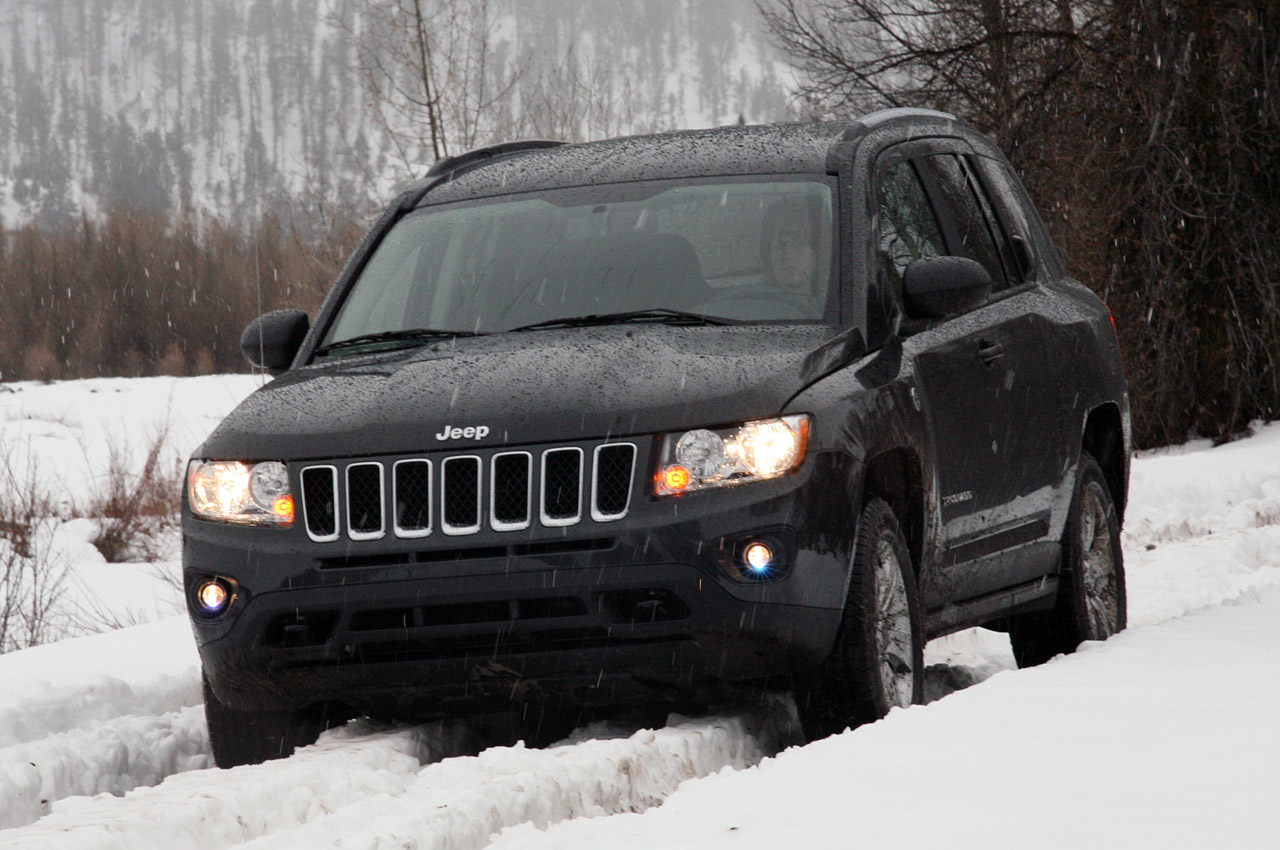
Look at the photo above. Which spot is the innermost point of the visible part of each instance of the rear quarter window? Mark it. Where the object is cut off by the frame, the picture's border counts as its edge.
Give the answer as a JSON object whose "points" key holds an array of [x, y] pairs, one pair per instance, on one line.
{"points": [[978, 242]]}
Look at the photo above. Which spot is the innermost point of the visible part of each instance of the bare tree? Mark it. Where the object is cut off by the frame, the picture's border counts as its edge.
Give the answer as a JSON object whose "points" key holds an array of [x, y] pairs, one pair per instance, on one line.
{"points": [[1149, 130], [575, 98], [431, 70], [1004, 64]]}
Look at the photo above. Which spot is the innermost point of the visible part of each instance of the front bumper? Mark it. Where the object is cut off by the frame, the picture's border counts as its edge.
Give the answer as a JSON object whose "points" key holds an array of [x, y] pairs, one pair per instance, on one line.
{"points": [[639, 610]]}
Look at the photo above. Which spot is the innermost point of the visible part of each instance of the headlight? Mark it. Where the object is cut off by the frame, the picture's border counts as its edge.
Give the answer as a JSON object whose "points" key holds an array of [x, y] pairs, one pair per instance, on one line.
{"points": [[704, 458], [237, 492]]}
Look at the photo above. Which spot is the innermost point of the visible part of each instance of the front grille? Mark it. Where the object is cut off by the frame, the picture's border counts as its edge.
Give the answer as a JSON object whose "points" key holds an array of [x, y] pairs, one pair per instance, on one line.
{"points": [[462, 494]]}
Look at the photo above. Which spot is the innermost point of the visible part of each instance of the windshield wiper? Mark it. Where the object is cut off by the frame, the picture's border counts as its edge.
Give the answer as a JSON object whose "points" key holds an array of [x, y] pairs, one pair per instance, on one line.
{"points": [[415, 336], [661, 315]]}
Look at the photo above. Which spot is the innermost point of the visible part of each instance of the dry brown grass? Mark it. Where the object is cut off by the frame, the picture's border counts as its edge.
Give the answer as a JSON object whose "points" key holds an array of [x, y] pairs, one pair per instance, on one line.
{"points": [[132, 508]]}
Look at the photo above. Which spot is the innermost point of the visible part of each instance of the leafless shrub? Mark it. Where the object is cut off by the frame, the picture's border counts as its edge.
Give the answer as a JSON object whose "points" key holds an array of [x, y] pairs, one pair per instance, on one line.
{"points": [[32, 578], [81, 617], [131, 507], [41, 598]]}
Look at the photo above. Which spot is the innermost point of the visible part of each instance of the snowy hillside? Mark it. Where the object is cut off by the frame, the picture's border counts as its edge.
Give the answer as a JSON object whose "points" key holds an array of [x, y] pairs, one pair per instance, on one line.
{"points": [[220, 104], [1163, 737]]}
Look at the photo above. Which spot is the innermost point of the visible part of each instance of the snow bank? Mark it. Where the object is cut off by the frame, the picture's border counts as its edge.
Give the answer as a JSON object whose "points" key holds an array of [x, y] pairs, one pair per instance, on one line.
{"points": [[117, 756], [105, 713], [1164, 736], [225, 808], [151, 669], [361, 788], [1193, 491], [459, 803]]}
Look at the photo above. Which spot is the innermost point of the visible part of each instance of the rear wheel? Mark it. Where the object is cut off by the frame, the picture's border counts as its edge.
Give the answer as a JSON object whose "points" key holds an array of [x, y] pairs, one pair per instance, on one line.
{"points": [[878, 659], [1091, 603], [252, 737]]}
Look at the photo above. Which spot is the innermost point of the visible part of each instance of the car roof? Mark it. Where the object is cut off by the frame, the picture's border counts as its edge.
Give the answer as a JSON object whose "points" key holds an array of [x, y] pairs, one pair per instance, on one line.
{"points": [[794, 148]]}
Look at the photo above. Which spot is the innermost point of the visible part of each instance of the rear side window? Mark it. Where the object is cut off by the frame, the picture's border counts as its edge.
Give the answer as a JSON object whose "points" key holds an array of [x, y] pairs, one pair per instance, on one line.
{"points": [[1011, 202], [973, 223]]}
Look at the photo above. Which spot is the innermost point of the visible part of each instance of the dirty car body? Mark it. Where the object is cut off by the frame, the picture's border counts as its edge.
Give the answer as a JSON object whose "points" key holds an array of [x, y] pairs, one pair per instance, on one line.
{"points": [[489, 513]]}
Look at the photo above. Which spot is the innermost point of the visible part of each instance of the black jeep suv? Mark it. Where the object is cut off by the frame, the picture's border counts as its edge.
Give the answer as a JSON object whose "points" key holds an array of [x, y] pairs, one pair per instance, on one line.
{"points": [[653, 419]]}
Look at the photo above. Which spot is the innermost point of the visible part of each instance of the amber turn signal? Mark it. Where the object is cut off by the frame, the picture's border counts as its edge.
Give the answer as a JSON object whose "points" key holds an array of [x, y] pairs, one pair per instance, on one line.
{"points": [[674, 479]]}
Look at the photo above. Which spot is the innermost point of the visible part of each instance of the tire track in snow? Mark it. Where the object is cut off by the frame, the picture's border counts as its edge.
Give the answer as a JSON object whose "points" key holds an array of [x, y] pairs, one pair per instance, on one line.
{"points": [[224, 808], [361, 789], [460, 803]]}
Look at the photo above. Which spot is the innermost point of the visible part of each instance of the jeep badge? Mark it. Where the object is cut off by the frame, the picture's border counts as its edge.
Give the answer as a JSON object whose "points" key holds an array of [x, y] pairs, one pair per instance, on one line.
{"points": [[471, 432]]}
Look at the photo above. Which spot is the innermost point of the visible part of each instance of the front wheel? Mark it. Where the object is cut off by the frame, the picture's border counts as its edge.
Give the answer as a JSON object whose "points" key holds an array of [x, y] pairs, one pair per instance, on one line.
{"points": [[1091, 603], [877, 662], [252, 737]]}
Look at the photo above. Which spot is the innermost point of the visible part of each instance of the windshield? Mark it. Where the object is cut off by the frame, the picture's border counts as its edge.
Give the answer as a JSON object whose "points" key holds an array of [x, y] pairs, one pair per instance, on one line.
{"points": [[740, 251]]}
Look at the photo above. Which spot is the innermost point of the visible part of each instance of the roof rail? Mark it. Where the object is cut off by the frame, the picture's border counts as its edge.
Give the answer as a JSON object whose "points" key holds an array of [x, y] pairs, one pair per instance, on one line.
{"points": [[883, 115], [452, 164]]}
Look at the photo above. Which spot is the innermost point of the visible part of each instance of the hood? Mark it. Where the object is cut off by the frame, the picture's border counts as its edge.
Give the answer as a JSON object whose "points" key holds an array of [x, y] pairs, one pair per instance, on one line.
{"points": [[538, 386]]}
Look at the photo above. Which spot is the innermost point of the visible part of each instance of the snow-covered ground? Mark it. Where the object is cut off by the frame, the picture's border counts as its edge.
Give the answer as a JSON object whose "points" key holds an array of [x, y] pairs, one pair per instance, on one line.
{"points": [[1163, 737], [61, 441]]}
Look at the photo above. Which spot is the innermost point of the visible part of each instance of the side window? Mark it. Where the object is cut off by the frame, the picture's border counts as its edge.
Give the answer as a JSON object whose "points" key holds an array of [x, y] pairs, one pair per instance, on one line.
{"points": [[908, 228], [1012, 203], [997, 224], [973, 225]]}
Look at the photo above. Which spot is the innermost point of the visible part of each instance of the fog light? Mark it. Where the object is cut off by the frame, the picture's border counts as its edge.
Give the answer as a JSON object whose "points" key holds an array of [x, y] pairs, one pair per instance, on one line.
{"points": [[213, 597], [758, 557]]}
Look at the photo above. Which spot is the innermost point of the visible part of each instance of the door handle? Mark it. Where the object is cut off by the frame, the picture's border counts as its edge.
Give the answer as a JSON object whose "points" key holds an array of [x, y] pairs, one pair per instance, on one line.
{"points": [[989, 352]]}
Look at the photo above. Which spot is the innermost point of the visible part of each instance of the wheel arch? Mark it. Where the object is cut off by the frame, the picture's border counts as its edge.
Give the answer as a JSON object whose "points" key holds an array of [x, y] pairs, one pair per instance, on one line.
{"points": [[895, 476], [1104, 440]]}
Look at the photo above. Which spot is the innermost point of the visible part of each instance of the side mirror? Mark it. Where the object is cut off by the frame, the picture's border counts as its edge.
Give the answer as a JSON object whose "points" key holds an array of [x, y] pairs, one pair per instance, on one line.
{"points": [[941, 286], [271, 340]]}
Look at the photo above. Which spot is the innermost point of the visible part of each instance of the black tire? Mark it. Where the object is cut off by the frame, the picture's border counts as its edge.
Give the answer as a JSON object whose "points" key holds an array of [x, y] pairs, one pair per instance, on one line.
{"points": [[252, 737], [1091, 602], [878, 658]]}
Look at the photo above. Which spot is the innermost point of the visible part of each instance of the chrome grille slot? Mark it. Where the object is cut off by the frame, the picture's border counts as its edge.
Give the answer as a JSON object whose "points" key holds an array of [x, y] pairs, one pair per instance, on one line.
{"points": [[460, 495], [611, 479], [411, 497], [510, 491], [561, 487], [365, 520], [320, 502]]}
